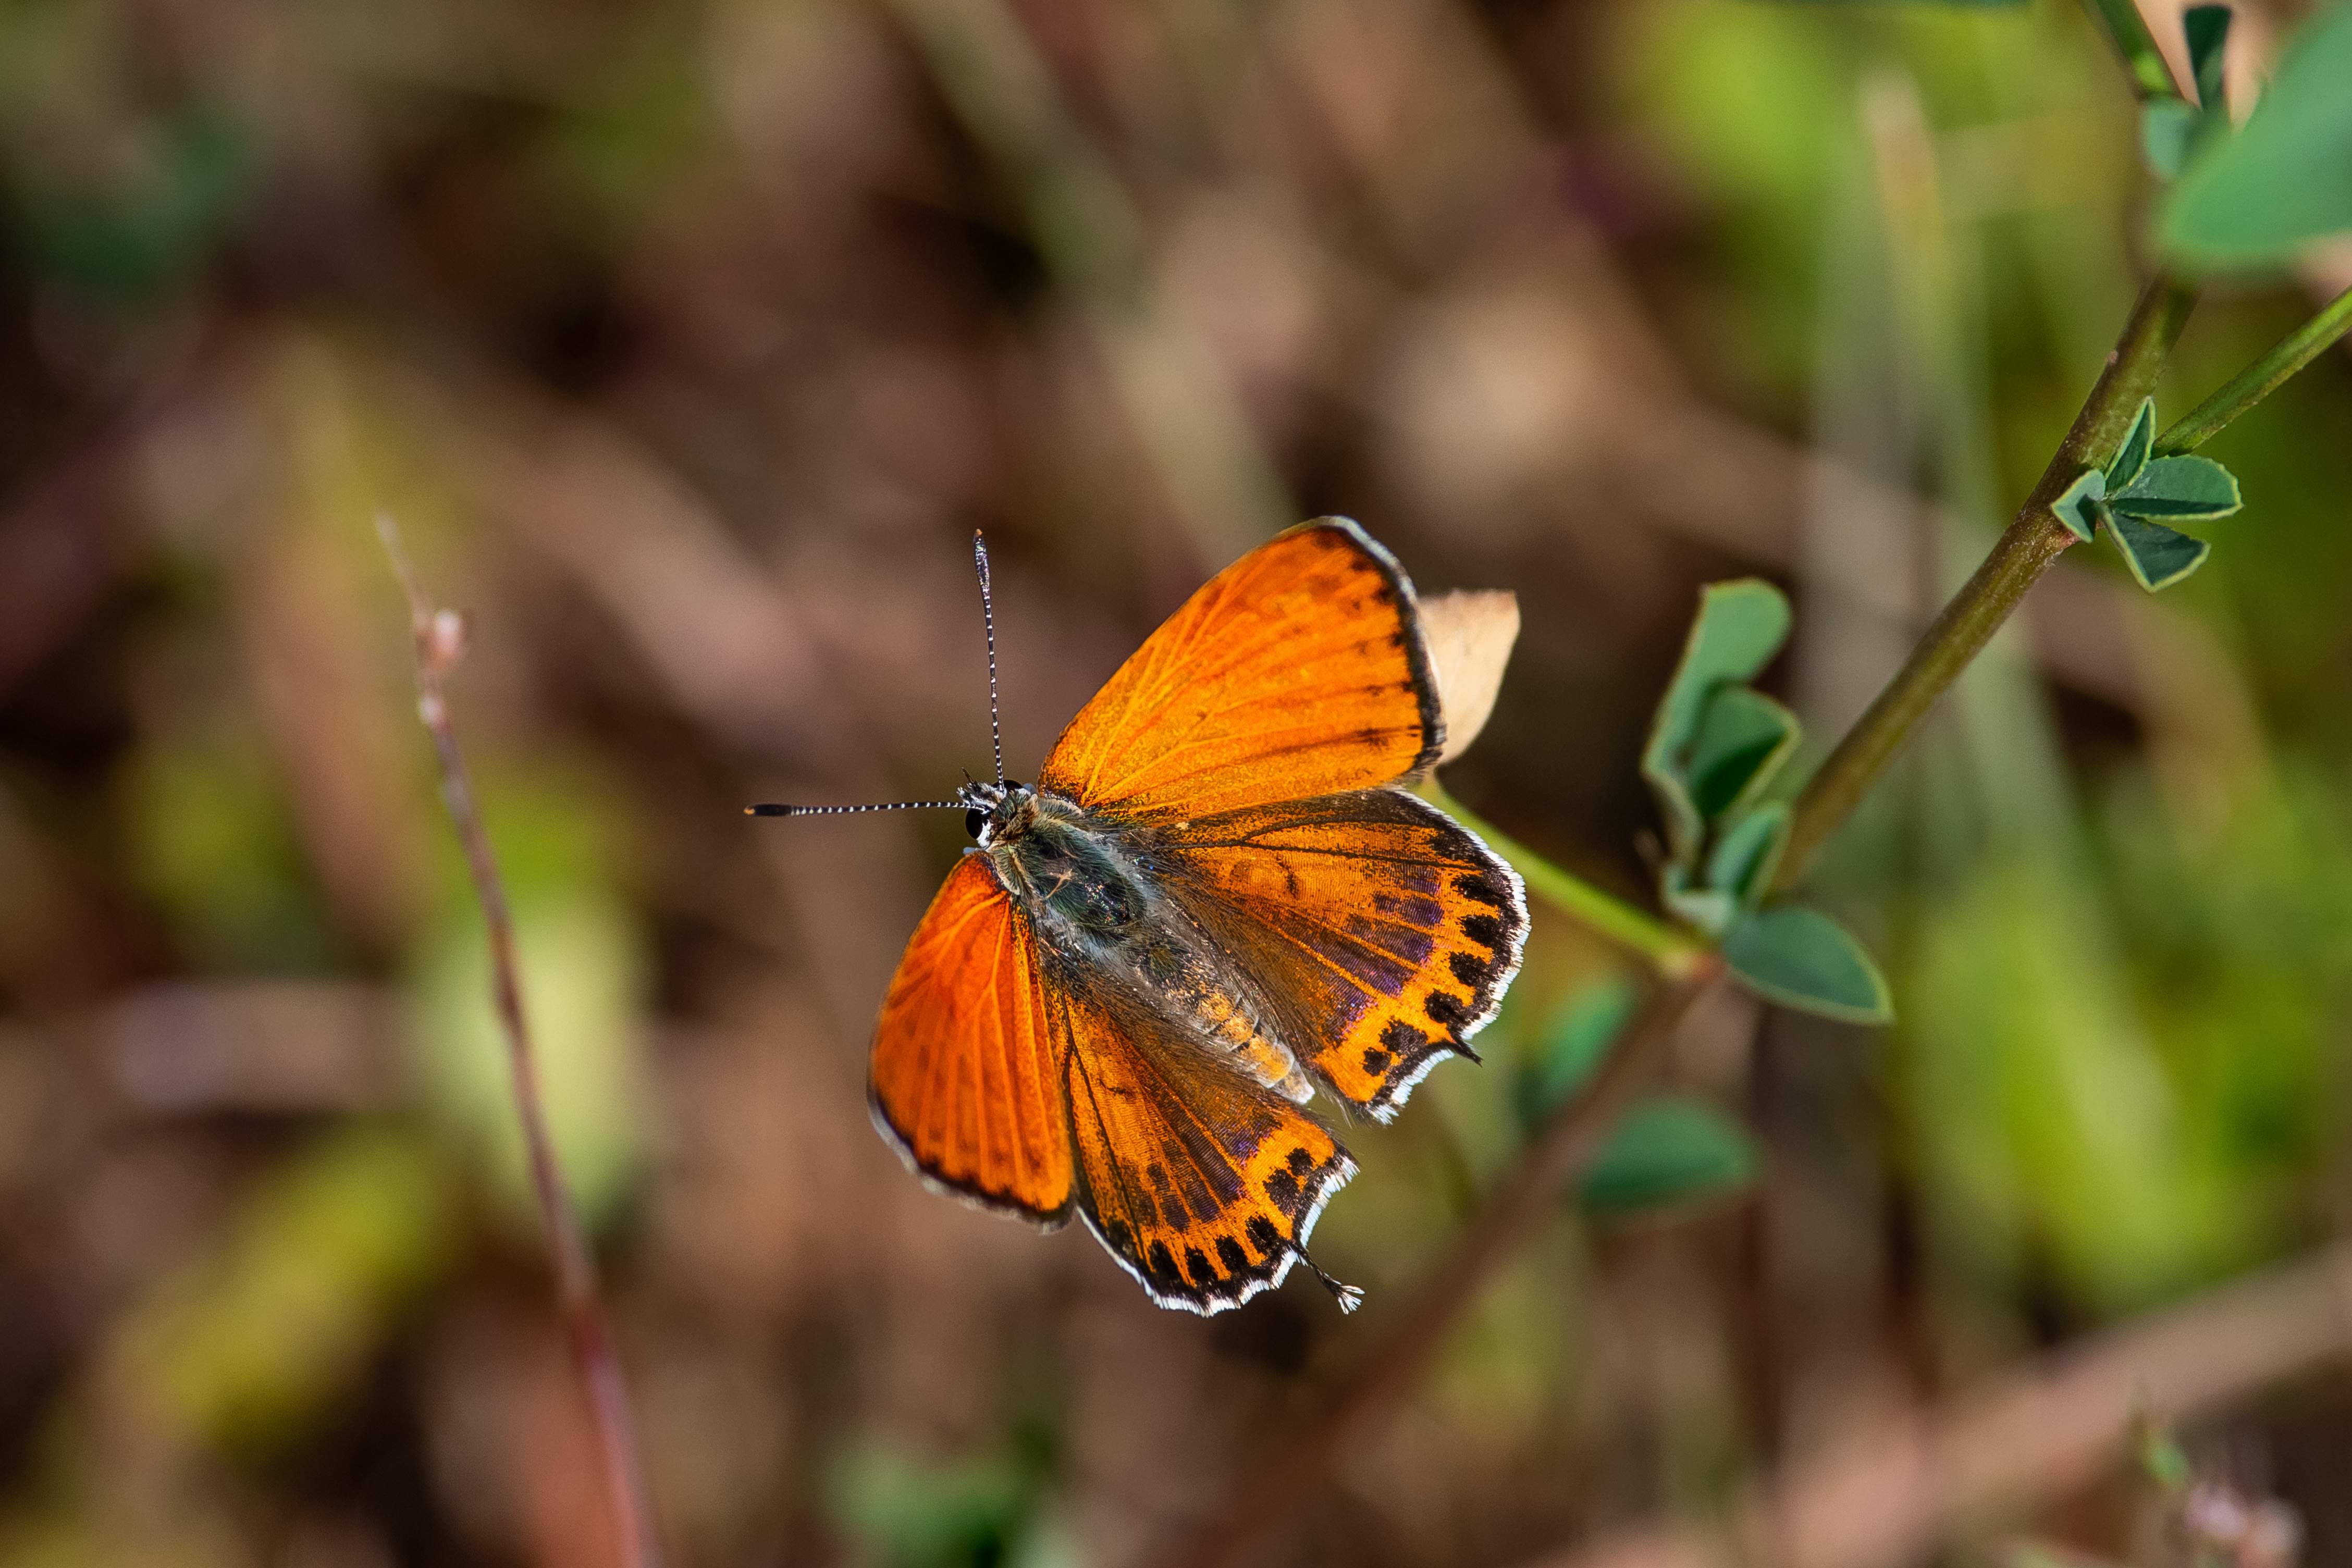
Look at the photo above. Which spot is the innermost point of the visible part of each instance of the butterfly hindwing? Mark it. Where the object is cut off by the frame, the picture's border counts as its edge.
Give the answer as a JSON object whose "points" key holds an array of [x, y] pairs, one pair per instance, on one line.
{"points": [[1213, 885], [966, 1079], [1381, 932], [1202, 1184], [1299, 670]]}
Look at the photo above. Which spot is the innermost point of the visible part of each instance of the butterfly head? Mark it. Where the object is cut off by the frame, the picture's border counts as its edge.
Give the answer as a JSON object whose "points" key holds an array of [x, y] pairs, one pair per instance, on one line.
{"points": [[989, 809]]}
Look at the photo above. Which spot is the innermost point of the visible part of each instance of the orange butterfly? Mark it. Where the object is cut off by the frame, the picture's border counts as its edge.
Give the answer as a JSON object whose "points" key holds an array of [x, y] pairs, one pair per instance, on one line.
{"points": [[1212, 900]]}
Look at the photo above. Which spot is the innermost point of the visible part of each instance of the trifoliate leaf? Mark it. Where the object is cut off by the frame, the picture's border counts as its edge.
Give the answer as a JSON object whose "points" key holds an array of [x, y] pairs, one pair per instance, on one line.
{"points": [[2258, 197], [1668, 1151], [1746, 853], [1741, 741], [2178, 489], [1706, 908], [1572, 1044], [2078, 508], [2157, 556], [1802, 958], [2132, 456], [1740, 626]]}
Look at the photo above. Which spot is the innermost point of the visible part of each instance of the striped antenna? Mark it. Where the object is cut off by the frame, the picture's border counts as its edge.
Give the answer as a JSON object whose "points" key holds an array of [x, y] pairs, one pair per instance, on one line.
{"points": [[995, 729], [988, 619], [771, 808]]}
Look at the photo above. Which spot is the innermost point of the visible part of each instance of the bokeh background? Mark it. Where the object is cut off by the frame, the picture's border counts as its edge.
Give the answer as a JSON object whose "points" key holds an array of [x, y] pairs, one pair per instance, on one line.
{"points": [[689, 342]]}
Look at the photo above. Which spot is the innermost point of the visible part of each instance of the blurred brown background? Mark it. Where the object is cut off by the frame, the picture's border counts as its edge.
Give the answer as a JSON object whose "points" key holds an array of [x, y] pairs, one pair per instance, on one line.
{"points": [[689, 343]]}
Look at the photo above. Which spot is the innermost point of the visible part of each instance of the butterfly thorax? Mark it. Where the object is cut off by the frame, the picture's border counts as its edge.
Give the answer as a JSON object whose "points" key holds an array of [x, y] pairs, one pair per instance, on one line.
{"points": [[1088, 888]]}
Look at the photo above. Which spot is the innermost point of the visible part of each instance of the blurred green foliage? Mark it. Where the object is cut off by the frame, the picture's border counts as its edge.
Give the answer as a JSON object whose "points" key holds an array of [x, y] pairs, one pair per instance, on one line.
{"points": [[214, 843], [2285, 179], [245, 1346]]}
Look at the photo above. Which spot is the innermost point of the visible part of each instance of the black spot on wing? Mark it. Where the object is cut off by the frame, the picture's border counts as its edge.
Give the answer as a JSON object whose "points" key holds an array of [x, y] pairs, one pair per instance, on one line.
{"points": [[1376, 1060], [1283, 1189], [1480, 888], [1230, 1253], [1403, 1038], [1263, 1235], [1196, 1264], [1486, 930], [1445, 1007]]}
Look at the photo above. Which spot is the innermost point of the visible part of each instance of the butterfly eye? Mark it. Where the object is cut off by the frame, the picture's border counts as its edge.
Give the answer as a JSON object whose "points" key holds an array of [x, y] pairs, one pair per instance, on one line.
{"points": [[974, 821]]}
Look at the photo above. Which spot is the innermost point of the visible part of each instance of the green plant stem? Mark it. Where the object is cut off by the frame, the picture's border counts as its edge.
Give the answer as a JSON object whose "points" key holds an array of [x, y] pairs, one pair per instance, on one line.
{"points": [[2024, 551], [2151, 78], [1668, 951], [2259, 379]]}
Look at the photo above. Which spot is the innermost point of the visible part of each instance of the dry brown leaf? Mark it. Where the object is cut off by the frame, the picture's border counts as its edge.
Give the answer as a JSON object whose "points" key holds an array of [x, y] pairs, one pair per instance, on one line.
{"points": [[1470, 635]]}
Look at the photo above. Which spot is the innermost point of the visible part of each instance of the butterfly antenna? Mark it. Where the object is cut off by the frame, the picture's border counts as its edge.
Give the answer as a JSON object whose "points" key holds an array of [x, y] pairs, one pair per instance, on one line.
{"points": [[988, 620], [773, 808], [1350, 1297]]}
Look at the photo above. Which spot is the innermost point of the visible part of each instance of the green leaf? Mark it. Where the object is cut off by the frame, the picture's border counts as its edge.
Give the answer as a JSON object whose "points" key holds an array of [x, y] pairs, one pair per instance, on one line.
{"points": [[2168, 128], [1668, 1151], [1802, 958], [1572, 1044], [1740, 626], [2285, 178], [2079, 507], [1746, 853], [2132, 455], [2208, 27], [2158, 557], [1742, 739], [2179, 488], [1703, 908]]}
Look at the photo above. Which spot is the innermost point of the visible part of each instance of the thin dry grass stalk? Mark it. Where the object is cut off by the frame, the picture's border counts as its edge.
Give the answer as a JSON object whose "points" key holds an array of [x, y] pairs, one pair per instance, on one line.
{"points": [[440, 637]]}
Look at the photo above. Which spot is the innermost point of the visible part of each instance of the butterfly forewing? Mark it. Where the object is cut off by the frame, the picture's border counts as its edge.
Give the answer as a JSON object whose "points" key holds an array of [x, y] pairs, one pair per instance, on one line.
{"points": [[966, 1077], [1212, 880], [1381, 932], [1298, 671], [1204, 1184]]}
